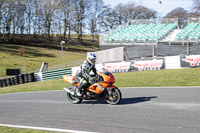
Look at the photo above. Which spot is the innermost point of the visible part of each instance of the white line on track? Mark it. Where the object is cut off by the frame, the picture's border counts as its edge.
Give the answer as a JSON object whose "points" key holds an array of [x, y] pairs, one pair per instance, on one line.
{"points": [[44, 129]]}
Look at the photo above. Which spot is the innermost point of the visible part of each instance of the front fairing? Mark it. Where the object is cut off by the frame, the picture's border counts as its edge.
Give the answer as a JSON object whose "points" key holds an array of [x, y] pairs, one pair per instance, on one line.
{"points": [[107, 76], [69, 79]]}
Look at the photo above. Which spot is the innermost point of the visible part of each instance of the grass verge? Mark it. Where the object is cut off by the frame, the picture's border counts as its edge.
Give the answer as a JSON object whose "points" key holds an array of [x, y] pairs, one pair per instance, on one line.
{"points": [[17, 130], [36, 86], [10, 57], [161, 78]]}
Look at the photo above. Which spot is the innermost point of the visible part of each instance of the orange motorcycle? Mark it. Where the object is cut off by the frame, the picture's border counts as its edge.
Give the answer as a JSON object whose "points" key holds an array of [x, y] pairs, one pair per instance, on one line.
{"points": [[101, 88]]}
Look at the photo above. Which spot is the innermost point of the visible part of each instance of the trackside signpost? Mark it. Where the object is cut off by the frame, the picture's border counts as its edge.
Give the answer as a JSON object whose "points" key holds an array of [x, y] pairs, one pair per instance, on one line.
{"points": [[141, 65], [190, 60], [116, 67], [144, 65]]}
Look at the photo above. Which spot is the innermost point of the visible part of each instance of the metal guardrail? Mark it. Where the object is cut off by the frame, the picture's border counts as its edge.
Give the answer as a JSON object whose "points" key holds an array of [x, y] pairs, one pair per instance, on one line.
{"points": [[56, 74]]}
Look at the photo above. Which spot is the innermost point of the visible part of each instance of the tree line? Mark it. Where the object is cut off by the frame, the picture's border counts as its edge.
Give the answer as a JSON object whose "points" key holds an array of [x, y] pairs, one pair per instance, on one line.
{"points": [[183, 14], [64, 17]]}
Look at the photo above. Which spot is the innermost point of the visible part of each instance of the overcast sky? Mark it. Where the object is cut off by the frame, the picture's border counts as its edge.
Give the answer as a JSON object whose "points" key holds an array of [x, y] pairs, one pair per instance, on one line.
{"points": [[163, 9]]}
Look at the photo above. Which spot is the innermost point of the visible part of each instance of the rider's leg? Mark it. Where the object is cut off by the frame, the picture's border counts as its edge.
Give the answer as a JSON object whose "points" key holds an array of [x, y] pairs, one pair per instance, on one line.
{"points": [[83, 85]]}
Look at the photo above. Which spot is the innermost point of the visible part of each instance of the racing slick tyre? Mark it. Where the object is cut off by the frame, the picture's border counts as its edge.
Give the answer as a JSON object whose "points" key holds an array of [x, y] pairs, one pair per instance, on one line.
{"points": [[114, 97], [74, 99]]}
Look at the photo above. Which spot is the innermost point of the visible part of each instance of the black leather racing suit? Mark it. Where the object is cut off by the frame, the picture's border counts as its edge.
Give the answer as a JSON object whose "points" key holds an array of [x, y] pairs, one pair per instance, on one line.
{"points": [[82, 76]]}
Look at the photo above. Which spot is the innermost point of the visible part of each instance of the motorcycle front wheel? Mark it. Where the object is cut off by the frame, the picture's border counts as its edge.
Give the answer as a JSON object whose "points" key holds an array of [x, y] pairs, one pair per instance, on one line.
{"points": [[114, 97], [74, 99]]}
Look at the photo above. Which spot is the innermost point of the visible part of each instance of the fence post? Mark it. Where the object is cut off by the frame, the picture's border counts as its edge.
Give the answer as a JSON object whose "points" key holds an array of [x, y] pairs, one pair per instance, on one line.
{"points": [[188, 49]]}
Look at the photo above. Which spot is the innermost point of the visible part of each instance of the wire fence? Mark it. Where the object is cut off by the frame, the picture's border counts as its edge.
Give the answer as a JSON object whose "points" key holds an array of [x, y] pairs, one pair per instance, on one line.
{"points": [[60, 66], [159, 50]]}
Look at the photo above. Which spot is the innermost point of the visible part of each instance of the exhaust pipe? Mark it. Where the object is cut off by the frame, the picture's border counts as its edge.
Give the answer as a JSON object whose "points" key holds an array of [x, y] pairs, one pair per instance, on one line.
{"points": [[68, 91]]}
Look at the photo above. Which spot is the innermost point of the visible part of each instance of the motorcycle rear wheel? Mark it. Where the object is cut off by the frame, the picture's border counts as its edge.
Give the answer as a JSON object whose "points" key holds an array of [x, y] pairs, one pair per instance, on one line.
{"points": [[73, 99], [115, 97]]}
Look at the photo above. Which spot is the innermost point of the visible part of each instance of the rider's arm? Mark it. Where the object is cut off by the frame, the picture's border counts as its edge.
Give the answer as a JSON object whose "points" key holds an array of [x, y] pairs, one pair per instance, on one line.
{"points": [[94, 69], [85, 73]]}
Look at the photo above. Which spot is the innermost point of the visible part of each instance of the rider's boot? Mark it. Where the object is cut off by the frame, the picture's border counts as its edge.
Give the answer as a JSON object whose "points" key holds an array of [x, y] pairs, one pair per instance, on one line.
{"points": [[78, 91], [83, 87]]}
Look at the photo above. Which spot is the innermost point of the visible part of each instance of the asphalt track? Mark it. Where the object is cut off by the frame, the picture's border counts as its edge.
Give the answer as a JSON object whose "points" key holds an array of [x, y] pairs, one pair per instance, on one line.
{"points": [[142, 110]]}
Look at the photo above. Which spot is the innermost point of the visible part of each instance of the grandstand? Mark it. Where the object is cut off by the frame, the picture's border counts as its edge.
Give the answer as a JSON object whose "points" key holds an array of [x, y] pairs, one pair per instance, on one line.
{"points": [[153, 37], [191, 31], [140, 33], [147, 32]]}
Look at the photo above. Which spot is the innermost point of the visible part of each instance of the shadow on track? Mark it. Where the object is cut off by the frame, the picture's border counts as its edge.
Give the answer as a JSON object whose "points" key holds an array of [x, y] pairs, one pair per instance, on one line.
{"points": [[123, 101], [95, 102], [136, 100]]}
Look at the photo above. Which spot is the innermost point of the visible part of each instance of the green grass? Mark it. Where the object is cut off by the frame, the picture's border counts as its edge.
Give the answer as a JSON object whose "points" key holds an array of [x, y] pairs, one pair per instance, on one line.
{"points": [[85, 36], [36, 86], [35, 56], [17, 130], [160, 78], [181, 77]]}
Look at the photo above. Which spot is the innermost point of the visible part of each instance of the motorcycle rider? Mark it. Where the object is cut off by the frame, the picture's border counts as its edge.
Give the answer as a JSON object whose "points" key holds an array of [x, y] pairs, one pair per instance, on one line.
{"points": [[82, 76]]}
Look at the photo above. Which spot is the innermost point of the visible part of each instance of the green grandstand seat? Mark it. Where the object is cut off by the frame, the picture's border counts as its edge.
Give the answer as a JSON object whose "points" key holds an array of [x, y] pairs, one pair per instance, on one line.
{"points": [[190, 31], [140, 33]]}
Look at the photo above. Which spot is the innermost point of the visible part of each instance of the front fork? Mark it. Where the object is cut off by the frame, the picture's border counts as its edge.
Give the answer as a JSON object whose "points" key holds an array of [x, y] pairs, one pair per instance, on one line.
{"points": [[109, 90]]}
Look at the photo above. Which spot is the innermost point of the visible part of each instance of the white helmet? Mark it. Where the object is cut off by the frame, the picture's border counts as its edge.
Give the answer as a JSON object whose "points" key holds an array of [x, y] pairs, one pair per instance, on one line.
{"points": [[91, 58]]}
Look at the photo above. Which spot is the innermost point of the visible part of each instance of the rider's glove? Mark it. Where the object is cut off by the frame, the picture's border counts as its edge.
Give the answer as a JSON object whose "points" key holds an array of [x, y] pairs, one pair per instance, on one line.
{"points": [[91, 80]]}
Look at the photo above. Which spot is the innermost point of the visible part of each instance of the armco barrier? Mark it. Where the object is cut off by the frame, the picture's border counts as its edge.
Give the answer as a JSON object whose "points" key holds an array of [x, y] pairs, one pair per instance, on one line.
{"points": [[56, 74]]}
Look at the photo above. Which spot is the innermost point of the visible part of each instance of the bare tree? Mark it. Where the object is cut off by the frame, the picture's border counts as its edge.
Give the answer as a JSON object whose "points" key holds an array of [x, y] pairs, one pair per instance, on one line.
{"points": [[37, 16], [58, 22], [107, 19], [181, 14], [142, 12], [94, 17], [196, 7], [20, 16], [123, 13], [67, 9], [120, 14], [2, 2], [129, 11], [49, 11], [29, 11], [81, 8], [8, 16]]}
